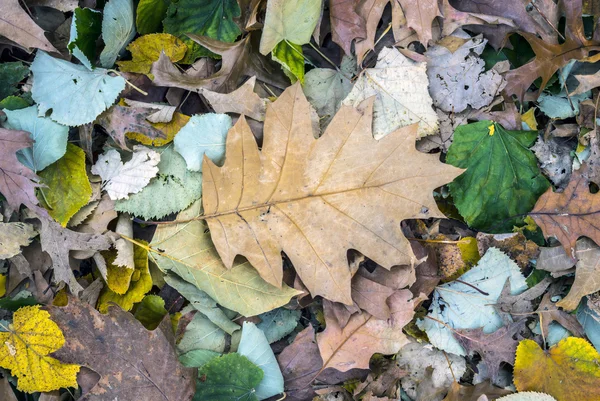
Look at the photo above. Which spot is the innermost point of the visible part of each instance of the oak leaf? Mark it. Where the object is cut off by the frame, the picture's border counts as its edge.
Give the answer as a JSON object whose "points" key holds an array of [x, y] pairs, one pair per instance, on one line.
{"points": [[133, 363], [24, 350], [243, 100], [119, 120], [315, 199], [346, 24], [567, 371]]}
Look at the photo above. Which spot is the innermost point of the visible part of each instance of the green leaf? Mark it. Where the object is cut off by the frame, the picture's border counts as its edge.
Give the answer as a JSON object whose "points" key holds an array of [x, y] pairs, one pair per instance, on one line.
{"points": [[561, 106], [186, 249], [68, 186], [278, 323], [118, 29], [86, 27], [212, 18], [50, 137], [197, 358], [203, 334], [325, 89], [10, 75], [230, 377], [203, 135], [291, 20], [151, 311], [291, 58], [502, 181], [14, 103], [202, 303], [75, 94], [149, 15], [256, 348], [173, 189]]}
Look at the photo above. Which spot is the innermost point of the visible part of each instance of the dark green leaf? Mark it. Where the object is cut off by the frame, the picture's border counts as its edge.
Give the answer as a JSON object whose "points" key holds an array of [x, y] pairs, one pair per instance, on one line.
{"points": [[10, 75], [231, 377]]}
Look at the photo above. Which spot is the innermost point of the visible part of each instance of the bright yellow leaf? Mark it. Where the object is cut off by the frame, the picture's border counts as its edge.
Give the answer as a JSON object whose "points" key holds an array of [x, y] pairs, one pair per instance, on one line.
{"points": [[529, 119], [568, 371], [141, 283], [118, 278], [146, 49], [25, 348], [170, 129], [2, 285]]}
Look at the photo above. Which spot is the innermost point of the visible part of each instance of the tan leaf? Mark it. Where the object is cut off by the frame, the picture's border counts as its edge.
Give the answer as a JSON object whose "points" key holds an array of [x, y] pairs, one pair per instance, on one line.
{"points": [[364, 335], [18, 26], [119, 120], [243, 100], [419, 16], [346, 24], [316, 198], [587, 274]]}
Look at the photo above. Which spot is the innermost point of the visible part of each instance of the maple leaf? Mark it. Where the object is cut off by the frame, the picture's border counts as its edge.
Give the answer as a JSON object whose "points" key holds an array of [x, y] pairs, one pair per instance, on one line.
{"points": [[567, 371], [133, 363], [25, 348], [17, 182], [18, 26], [315, 199], [549, 57]]}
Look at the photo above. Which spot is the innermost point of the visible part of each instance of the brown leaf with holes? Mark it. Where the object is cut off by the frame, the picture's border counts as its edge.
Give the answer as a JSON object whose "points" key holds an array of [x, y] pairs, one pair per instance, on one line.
{"points": [[346, 24], [315, 199], [18, 26], [570, 214], [133, 363]]}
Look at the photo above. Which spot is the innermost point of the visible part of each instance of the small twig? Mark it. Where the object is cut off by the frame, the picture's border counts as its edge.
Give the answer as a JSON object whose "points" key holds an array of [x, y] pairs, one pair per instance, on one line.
{"points": [[472, 286], [450, 366], [547, 20], [129, 83], [46, 199], [315, 48]]}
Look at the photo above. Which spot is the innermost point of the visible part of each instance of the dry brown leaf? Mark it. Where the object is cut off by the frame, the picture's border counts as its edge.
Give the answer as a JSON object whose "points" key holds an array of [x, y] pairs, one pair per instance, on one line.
{"points": [[18, 26], [587, 274], [371, 11], [364, 335], [548, 312], [316, 198], [346, 24], [419, 16], [459, 392], [570, 214], [119, 120], [243, 100]]}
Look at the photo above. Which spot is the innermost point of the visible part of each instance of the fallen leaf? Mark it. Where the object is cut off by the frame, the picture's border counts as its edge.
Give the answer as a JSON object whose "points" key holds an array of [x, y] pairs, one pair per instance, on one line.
{"points": [[118, 29], [278, 323], [548, 312], [26, 345], [132, 362], [567, 371], [121, 179], [291, 58], [150, 14], [86, 27], [163, 114], [123, 247], [485, 148], [281, 203], [526, 396], [519, 305], [13, 236], [401, 96], [516, 245], [169, 130], [241, 101], [459, 392], [11, 73], [372, 11], [420, 15], [228, 377], [17, 25], [346, 24], [119, 120], [68, 187], [147, 49], [89, 92], [588, 268]]}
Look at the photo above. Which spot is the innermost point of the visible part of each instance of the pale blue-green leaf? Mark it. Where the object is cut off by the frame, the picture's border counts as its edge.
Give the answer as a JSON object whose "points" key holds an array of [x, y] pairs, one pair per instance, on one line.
{"points": [[201, 333], [75, 94], [256, 348], [590, 320], [463, 306], [50, 137], [560, 106], [203, 135], [118, 29], [197, 357], [278, 323], [202, 302], [173, 189], [556, 333]]}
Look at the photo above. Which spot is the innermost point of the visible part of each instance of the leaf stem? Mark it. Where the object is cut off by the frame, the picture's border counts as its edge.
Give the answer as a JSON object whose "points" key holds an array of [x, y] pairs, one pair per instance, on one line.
{"points": [[129, 83]]}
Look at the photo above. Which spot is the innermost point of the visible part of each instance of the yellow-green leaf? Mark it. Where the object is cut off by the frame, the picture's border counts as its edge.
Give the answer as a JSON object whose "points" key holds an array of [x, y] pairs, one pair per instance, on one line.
{"points": [[69, 188], [568, 371], [291, 58], [25, 348], [141, 283], [2, 285], [146, 49], [170, 129]]}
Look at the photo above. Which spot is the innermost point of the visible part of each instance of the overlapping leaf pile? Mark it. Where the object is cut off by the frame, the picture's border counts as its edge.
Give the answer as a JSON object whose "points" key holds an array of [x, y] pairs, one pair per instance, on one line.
{"points": [[312, 200]]}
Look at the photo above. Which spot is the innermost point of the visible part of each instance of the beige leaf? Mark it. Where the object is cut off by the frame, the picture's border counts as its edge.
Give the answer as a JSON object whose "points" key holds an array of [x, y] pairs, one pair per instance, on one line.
{"points": [[316, 198], [241, 101], [124, 248], [401, 95], [587, 274], [18, 26], [364, 335], [164, 113], [13, 236]]}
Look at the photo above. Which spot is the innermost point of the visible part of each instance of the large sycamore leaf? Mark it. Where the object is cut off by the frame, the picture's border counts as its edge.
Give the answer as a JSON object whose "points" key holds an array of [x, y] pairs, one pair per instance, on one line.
{"points": [[502, 181], [75, 94], [567, 371], [186, 249], [133, 363], [25, 345], [315, 199], [17, 25]]}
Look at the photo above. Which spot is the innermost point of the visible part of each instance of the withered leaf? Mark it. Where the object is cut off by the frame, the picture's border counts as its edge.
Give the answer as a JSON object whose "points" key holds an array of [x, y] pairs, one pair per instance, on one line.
{"points": [[346, 24], [119, 120], [315, 199], [587, 274], [18, 26], [133, 363], [548, 312], [243, 100]]}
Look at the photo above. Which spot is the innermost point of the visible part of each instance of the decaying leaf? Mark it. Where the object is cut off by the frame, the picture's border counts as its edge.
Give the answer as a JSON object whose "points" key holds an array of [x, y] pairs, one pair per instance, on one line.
{"points": [[13, 236], [133, 363], [241, 101], [567, 371], [26, 345], [163, 114], [346, 24], [401, 96], [118, 29], [121, 179], [147, 49], [306, 181], [17, 25], [586, 274], [119, 120]]}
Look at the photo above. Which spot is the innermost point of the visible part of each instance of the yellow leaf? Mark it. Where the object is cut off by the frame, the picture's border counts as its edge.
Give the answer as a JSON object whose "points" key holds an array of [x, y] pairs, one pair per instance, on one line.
{"points": [[170, 129], [146, 49], [529, 119], [2, 285], [25, 348], [118, 278], [141, 283], [568, 371]]}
